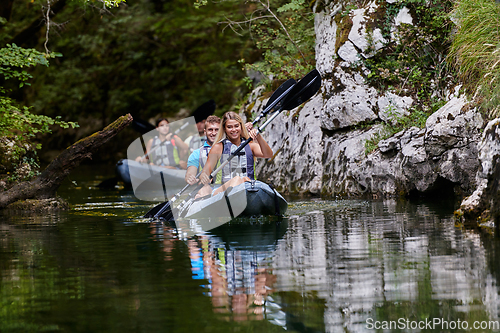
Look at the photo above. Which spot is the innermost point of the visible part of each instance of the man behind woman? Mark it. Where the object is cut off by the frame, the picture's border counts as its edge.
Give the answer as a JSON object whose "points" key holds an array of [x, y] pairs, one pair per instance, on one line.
{"points": [[241, 168]]}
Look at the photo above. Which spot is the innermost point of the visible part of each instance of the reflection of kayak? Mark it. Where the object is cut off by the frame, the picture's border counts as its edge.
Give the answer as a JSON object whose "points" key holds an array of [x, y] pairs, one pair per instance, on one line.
{"points": [[134, 174], [250, 234], [248, 199]]}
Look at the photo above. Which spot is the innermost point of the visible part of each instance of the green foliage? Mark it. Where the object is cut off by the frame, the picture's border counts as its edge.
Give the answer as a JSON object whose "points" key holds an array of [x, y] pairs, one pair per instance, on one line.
{"points": [[18, 126], [415, 63], [475, 50], [283, 33], [107, 3], [146, 58], [398, 123], [18, 57]]}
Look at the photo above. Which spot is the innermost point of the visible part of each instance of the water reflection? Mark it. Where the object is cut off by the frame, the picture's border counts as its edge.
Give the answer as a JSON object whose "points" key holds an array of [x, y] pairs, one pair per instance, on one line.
{"points": [[330, 266], [383, 261], [232, 264]]}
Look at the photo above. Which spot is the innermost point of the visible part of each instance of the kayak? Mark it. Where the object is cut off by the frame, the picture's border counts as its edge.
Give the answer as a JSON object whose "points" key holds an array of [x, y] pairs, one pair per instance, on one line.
{"points": [[149, 179], [249, 199]]}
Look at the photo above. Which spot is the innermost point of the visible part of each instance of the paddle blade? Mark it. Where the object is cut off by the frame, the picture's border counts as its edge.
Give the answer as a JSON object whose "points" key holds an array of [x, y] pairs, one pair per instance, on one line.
{"points": [[163, 211], [167, 215], [142, 126], [278, 95], [306, 88], [108, 183], [204, 110]]}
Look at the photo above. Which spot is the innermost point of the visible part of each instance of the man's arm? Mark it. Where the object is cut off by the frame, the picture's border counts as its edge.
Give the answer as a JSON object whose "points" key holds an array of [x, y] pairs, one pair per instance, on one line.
{"points": [[192, 167]]}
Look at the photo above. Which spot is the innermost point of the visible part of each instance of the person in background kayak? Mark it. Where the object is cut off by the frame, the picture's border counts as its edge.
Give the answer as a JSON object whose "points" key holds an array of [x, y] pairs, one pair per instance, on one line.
{"points": [[200, 116], [198, 158], [166, 149], [241, 168]]}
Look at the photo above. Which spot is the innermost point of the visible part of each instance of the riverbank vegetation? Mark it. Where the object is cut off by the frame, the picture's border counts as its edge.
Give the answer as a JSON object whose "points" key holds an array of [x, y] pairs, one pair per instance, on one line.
{"points": [[475, 51], [18, 125], [414, 63], [454, 42], [146, 58]]}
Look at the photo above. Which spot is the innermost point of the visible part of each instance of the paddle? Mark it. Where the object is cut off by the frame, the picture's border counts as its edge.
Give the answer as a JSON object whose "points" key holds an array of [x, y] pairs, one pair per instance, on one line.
{"points": [[204, 110], [296, 94], [142, 126], [275, 98]]}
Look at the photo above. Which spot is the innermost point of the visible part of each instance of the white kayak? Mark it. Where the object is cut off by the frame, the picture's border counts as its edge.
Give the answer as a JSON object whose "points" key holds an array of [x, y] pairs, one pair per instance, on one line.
{"points": [[151, 182]]}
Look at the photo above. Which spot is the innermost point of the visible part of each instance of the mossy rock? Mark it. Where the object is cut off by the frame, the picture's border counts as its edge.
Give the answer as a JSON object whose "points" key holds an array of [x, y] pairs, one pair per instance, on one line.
{"points": [[38, 205]]}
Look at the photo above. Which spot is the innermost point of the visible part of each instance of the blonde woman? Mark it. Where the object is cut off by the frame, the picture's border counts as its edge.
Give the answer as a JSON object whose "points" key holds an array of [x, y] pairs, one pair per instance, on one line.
{"points": [[241, 168]]}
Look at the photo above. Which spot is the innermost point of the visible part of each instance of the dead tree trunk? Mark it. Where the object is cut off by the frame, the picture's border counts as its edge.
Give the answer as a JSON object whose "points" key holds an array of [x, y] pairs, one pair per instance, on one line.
{"points": [[45, 185]]}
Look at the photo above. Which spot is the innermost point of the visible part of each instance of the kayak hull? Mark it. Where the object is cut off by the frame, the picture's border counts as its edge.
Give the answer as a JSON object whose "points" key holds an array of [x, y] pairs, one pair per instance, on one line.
{"points": [[249, 199], [153, 182]]}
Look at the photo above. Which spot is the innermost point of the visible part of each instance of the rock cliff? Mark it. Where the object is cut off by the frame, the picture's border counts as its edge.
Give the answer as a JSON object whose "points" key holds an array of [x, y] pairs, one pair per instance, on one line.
{"points": [[320, 148]]}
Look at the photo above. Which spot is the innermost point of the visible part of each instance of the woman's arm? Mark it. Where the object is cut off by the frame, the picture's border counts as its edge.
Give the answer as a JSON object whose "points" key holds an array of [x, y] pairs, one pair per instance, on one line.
{"points": [[146, 154], [259, 146]]}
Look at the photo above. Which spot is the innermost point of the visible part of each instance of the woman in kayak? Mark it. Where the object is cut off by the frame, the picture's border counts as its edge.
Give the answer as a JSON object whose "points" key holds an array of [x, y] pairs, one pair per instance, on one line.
{"points": [[242, 167], [166, 149]]}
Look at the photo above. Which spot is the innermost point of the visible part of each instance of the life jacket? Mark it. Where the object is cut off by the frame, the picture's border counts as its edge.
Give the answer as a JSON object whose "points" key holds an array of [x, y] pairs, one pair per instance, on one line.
{"points": [[242, 164], [203, 160], [203, 157], [196, 142], [164, 153]]}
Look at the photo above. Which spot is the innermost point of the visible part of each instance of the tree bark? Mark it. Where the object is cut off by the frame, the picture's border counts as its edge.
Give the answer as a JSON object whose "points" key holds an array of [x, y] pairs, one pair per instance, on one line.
{"points": [[45, 185]]}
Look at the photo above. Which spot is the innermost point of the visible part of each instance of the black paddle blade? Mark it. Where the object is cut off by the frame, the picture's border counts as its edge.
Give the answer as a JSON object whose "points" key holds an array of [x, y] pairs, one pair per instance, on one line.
{"points": [[306, 88], [278, 92], [165, 206], [167, 215], [142, 126], [108, 183], [204, 110]]}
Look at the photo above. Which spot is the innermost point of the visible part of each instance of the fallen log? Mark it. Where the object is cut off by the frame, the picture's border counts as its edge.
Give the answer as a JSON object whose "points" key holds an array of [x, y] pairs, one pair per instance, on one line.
{"points": [[46, 184]]}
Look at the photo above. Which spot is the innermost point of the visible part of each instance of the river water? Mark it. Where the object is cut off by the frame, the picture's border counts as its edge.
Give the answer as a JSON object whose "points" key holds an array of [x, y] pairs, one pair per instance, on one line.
{"points": [[328, 266]]}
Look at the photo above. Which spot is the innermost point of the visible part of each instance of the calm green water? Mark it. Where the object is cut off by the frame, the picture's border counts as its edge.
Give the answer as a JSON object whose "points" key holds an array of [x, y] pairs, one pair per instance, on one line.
{"points": [[330, 266]]}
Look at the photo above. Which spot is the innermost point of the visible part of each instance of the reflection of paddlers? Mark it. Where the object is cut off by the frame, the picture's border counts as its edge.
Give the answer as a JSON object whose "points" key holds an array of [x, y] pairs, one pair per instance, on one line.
{"points": [[292, 97]]}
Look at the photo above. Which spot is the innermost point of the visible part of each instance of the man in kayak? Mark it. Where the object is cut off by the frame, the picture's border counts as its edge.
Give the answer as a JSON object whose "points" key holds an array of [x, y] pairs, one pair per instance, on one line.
{"points": [[166, 149], [242, 167], [198, 158]]}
